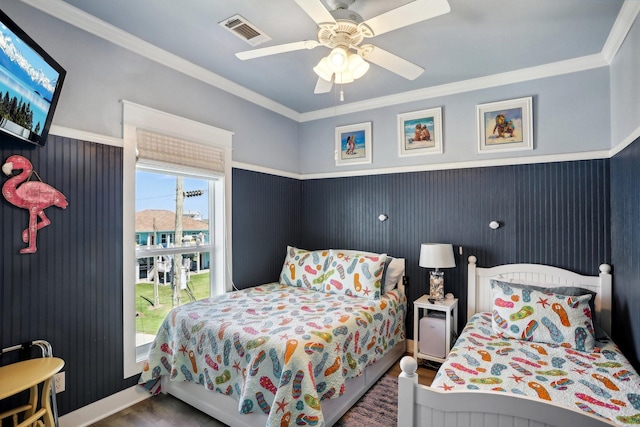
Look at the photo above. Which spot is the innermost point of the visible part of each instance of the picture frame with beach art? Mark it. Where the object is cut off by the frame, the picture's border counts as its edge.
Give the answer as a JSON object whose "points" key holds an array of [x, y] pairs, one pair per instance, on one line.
{"points": [[353, 144], [420, 132], [505, 125]]}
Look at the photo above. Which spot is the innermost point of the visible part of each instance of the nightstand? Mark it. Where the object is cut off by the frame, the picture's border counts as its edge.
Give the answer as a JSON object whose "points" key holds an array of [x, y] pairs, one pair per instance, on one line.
{"points": [[421, 307]]}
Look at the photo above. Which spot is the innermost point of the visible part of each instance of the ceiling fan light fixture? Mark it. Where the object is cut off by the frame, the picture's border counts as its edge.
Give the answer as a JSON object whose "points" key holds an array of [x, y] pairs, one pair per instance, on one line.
{"points": [[357, 66], [344, 77], [338, 59], [323, 70]]}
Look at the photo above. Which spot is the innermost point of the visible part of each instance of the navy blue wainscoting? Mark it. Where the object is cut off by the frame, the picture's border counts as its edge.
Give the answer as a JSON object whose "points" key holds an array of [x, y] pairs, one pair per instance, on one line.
{"points": [[552, 213], [70, 291], [266, 218], [625, 250]]}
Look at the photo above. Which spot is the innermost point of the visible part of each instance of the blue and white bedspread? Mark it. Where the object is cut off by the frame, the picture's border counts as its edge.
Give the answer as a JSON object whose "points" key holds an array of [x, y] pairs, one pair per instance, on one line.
{"points": [[275, 348], [602, 382]]}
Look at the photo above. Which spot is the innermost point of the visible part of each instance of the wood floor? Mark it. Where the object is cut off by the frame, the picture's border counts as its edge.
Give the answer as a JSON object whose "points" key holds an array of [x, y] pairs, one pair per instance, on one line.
{"points": [[164, 410]]}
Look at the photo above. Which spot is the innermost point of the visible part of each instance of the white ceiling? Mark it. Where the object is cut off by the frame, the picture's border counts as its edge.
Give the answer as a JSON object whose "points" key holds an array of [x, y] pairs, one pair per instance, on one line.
{"points": [[476, 39]]}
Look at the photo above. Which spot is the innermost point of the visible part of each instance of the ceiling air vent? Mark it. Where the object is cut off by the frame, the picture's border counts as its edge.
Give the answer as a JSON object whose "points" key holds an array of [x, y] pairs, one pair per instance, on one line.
{"points": [[245, 30]]}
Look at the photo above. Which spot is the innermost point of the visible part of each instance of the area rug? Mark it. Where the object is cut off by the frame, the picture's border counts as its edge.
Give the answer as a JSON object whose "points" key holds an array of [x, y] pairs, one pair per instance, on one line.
{"points": [[377, 408]]}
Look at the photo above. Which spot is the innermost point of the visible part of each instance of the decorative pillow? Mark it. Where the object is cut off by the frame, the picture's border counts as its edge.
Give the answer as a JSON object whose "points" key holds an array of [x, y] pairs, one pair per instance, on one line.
{"points": [[599, 333], [394, 269], [358, 274], [304, 269], [531, 315]]}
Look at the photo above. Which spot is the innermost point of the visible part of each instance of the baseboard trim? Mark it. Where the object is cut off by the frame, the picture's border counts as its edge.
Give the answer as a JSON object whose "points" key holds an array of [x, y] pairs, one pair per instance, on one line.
{"points": [[101, 409]]}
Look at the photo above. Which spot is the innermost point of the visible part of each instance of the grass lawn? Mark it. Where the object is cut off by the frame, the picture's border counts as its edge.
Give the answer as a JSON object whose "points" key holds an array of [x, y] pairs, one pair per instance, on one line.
{"points": [[149, 318]]}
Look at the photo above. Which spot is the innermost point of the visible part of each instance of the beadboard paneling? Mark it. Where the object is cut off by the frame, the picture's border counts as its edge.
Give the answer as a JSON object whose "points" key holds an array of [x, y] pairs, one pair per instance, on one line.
{"points": [[266, 218], [70, 291], [625, 250], [553, 213]]}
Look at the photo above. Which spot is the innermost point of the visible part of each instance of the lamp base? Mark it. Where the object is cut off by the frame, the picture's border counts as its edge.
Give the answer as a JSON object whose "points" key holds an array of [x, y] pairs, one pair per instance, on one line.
{"points": [[436, 285]]}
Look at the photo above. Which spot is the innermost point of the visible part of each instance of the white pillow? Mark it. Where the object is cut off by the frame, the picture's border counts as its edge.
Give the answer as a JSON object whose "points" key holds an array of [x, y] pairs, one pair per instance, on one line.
{"points": [[394, 271]]}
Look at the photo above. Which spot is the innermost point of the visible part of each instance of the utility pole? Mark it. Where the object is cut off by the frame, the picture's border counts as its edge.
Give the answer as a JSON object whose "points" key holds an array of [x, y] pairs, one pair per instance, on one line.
{"points": [[156, 267], [177, 258]]}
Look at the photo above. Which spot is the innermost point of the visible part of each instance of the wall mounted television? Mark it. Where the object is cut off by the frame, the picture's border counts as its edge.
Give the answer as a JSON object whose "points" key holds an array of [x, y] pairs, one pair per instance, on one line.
{"points": [[30, 85]]}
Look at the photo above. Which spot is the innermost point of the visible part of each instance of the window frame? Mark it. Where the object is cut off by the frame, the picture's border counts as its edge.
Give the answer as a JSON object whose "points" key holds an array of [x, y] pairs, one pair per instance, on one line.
{"points": [[140, 117]]}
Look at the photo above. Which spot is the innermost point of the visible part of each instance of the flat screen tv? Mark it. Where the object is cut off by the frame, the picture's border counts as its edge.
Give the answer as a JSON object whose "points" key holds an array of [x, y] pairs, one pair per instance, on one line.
{"points": [[30, 84]]}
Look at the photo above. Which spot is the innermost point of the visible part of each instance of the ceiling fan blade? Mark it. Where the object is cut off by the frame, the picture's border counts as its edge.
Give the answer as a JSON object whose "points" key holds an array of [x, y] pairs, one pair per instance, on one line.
{"points": [[323, 86], [391, 62], [416, 11], [281, 48], [316, 10]]}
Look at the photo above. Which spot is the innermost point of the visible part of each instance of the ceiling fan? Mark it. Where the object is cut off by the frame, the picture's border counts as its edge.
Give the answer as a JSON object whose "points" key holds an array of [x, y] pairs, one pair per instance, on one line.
{"points": [[343, 31]]}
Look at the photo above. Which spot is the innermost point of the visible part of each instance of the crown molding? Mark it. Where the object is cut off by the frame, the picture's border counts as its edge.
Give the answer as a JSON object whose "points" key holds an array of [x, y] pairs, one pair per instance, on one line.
{"points": [[89, 23], [525, 74], [620, 29], [99, 28]]}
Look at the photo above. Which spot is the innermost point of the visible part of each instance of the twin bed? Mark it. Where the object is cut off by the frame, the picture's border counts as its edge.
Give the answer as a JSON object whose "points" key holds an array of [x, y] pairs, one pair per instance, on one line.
{"points": [[298, 352], [528, 356]]}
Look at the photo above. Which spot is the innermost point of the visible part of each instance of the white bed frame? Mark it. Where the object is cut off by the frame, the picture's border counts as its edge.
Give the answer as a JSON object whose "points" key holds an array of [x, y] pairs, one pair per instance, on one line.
{"points": [[225, 409], [419, 405]]}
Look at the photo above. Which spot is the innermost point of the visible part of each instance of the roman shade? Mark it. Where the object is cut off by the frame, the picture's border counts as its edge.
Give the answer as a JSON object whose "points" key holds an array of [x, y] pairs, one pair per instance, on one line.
{"points": [[167, 153]]}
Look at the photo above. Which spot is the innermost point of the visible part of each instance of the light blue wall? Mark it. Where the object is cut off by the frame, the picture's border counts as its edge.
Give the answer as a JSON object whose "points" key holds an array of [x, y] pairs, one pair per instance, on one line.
{"points": [[570, 114], [625, 88], [100, 74]]}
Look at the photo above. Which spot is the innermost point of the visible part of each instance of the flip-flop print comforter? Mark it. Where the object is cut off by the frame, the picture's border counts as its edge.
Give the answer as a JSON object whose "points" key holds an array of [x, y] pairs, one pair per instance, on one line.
{"points": [[602, 382], [276, 349]]}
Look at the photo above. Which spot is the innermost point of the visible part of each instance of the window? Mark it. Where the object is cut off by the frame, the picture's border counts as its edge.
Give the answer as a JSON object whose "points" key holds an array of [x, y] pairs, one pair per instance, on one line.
{"points": [[177, 219], [166, 274]]}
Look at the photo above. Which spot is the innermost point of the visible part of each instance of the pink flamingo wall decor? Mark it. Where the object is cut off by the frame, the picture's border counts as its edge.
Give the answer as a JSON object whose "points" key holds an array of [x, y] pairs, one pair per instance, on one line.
{"points": [[35, 196]]}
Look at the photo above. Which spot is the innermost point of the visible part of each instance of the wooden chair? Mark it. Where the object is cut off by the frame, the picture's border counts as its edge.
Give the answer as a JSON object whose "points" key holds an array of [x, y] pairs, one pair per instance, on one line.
{"points": [[32, 375]]}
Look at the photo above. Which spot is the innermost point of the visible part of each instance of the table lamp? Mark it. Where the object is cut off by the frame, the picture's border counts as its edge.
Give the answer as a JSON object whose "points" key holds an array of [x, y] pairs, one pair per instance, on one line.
{"points": [[436, 255]]}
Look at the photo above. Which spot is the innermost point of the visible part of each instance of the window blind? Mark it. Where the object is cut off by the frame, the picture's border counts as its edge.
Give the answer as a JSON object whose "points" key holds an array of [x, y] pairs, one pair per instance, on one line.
{"points": [[171, 154]]}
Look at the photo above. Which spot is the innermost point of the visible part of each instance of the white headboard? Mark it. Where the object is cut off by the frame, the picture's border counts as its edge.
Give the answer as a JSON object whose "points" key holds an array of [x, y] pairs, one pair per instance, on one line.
{"points": [[479, 286]]}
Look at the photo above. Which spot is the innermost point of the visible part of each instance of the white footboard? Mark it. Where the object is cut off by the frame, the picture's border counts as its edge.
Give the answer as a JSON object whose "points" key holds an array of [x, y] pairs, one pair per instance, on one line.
{"points": [[419, 405]]}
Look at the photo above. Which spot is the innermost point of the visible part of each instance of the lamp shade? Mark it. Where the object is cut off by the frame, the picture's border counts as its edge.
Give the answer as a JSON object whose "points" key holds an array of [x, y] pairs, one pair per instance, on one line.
{"points": [[338, 60], [323, 70], [437, 255], [357, 66]]}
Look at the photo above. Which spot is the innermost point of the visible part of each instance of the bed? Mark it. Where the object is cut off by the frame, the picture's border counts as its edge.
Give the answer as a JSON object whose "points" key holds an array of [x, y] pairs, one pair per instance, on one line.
{"points": [[298, 352], [498, 376]]}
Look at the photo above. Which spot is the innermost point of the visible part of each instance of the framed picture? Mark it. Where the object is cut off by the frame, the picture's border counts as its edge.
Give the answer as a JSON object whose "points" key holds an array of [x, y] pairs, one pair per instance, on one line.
{"points": [[505, 126], [420, 132], [353, 144]]}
